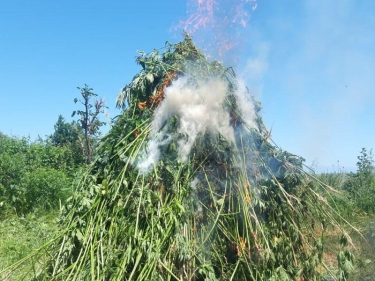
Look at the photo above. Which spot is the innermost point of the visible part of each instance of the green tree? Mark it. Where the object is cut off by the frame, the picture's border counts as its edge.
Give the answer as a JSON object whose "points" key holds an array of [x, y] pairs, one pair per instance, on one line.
{"points": [[68, 134], [64, 134], [89, 121], [361, 185], [365, 162]]}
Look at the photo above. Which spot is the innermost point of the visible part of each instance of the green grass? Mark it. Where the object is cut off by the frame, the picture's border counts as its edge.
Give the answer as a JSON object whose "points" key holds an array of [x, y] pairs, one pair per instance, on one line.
{"points": [[363, 246], [20, 236]]}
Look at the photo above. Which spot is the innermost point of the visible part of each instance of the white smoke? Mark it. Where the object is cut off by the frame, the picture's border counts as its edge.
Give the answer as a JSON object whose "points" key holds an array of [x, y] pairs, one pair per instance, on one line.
{"points": [[200, 109], [152, 154], [194, 184], [245, 104]]}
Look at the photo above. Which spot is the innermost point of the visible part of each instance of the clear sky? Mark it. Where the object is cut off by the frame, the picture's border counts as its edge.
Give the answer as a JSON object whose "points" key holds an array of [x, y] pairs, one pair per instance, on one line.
{"points": [[311, 63]]}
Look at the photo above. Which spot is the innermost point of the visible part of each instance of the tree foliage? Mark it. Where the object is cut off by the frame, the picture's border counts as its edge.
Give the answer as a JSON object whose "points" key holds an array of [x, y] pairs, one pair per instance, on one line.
{"points": [[89, 121], [361, 185], [64, 134], [69, 135]]}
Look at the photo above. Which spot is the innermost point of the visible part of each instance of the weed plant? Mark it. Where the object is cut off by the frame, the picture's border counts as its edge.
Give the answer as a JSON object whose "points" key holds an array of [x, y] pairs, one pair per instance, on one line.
{"points": [[235, 209]]}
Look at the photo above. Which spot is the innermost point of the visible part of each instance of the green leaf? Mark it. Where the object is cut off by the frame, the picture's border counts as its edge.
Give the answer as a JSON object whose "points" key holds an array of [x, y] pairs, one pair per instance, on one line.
{"points": [[105, 183], [220, 201], [79, 235]]}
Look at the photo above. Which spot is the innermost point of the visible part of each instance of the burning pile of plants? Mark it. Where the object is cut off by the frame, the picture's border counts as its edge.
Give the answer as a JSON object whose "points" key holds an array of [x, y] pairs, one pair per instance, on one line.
{"points": [[187, 185]]}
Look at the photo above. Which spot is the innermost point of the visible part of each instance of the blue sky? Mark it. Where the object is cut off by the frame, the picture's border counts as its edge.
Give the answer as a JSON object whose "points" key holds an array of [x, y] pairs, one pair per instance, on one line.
{"points": [[310, 63]]}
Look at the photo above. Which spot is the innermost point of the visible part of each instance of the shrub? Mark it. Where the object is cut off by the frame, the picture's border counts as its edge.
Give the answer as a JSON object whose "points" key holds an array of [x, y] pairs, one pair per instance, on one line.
{"points": [[34, 174], [45, 189], [361, 185]]}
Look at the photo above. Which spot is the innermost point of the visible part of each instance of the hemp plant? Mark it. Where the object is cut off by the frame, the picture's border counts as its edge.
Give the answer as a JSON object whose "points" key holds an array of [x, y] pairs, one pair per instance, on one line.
{"points": [[237, 207]]}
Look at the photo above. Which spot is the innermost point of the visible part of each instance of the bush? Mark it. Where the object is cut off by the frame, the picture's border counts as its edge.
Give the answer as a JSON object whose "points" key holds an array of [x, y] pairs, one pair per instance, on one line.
{"points": [[356, 190], [361, 185], [45, 189], [34, 174]]}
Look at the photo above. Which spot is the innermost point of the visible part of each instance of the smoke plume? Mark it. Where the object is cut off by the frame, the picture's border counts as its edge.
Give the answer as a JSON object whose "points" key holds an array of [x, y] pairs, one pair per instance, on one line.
{"points": [[200, 109]]}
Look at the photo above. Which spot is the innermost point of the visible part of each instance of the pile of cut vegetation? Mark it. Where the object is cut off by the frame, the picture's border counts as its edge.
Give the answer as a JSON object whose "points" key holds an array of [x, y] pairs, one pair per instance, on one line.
{"points": [[187, 185]]}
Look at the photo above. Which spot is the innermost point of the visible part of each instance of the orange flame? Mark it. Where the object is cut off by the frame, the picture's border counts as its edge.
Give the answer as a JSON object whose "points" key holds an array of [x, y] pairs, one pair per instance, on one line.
{"points": [[205, 14], [201, 18], [215, 16]]}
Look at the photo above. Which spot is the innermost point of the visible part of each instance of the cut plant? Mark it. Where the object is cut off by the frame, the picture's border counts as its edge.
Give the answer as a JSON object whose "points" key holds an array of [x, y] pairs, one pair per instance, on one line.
{"points": [[188, 185]]}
